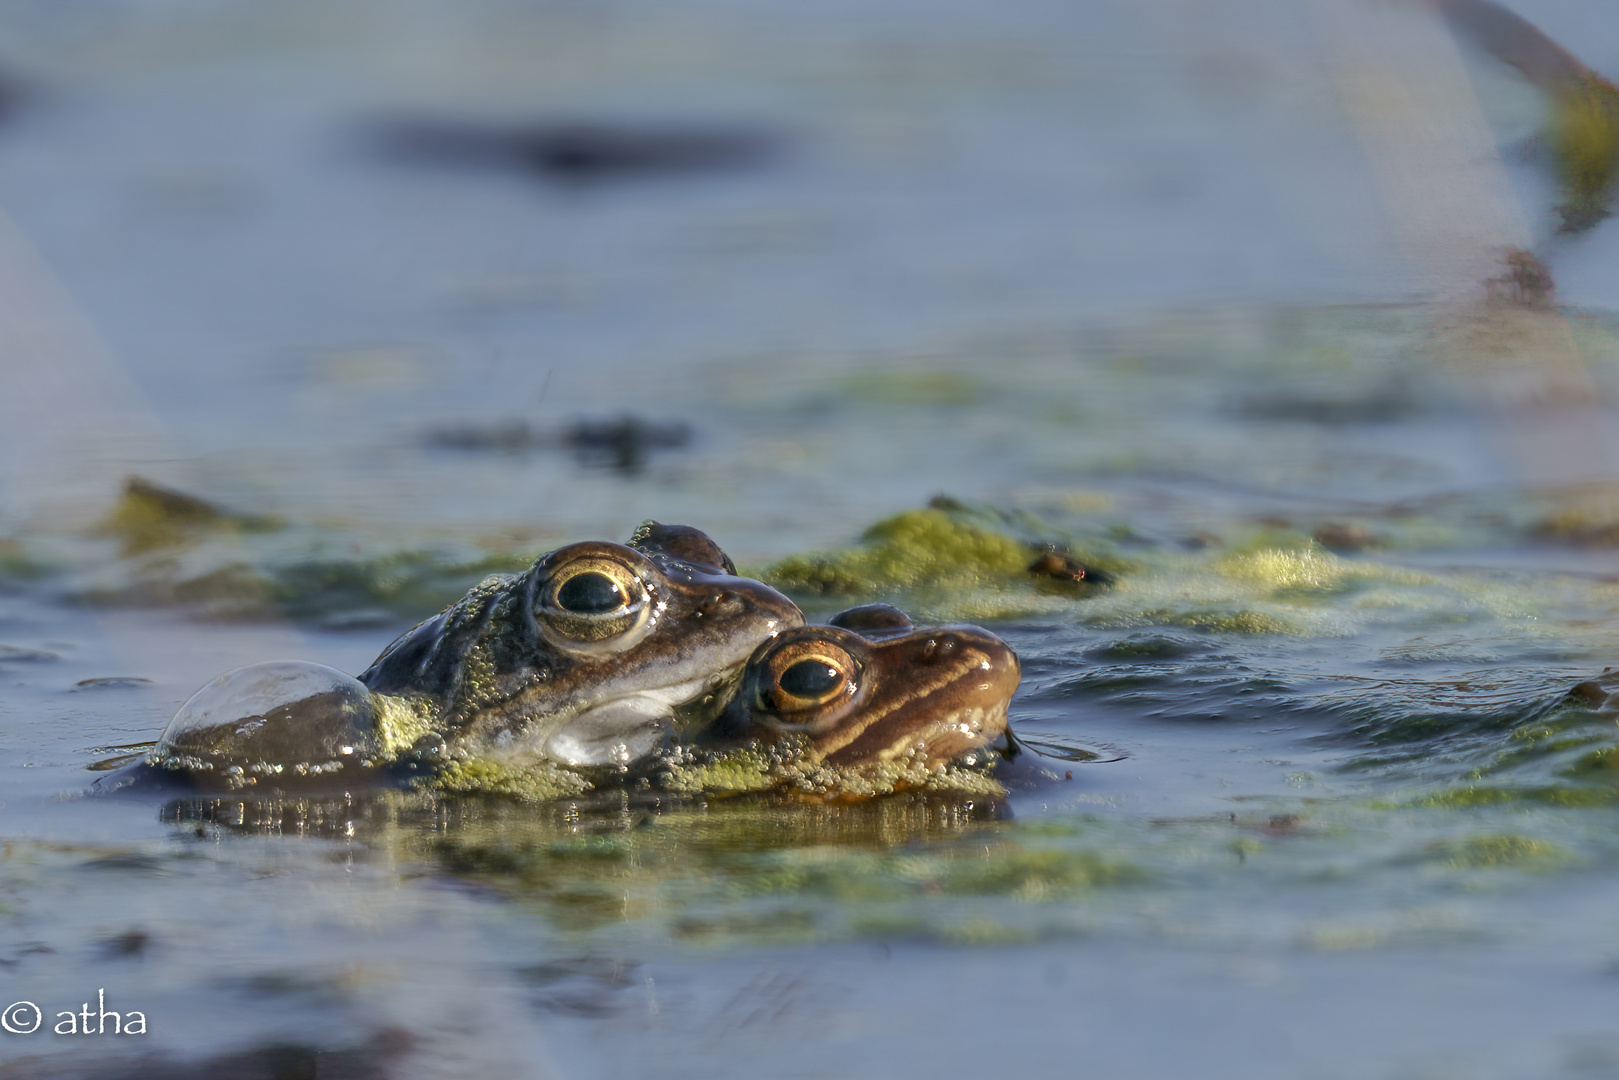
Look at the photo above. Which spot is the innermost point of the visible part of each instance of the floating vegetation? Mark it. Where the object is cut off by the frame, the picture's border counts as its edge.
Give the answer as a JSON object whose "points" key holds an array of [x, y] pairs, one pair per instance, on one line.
{"points": [[782, 768], [1583, 128], [177, 550], [538, 782], [1584, 134], [150, 517], [1588, 516], [302, 584], [956, 389], [1554, 747], [953, 560]]}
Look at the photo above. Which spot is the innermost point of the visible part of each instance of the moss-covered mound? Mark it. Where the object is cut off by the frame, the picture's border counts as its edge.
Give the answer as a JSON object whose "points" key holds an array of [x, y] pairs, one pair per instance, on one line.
{"points": [[952, 560]]}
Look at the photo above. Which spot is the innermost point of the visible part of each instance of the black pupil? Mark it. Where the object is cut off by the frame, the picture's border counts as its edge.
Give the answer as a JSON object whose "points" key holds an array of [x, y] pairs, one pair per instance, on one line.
{"points": [[810, 678], [590, 594]]}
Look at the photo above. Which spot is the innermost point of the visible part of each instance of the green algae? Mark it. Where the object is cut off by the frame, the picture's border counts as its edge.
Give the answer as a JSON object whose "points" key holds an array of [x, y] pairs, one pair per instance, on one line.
{"points": [[779, 926], [1536, 749], [400, 722], [1280, 582], [746, 769], [535, 782], [409, 583], [1584, 134], [1037, 873], [278, 582], [1585, 515], [1231, 621], [915, 387], [1306, 572], [908, 551], [18, 564], [1485, 795], [1499, 851], [1005, 869], [1600, 765], [149, 517], [1280, 568], [781, 767], [947, 553]]}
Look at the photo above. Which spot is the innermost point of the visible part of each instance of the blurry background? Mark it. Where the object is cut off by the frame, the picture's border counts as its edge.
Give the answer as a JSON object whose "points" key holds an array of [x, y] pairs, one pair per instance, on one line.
{"points": [[343, 259]]}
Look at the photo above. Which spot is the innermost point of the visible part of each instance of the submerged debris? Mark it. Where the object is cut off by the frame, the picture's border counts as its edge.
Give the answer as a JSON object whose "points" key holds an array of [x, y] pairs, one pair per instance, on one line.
{"points": [[1526, 281], [1344, 536], [1061, 566], [1589, 517]]}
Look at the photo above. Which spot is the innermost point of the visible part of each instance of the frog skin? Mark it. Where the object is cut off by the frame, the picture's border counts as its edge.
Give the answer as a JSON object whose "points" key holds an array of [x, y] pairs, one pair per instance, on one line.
{"points": [[870, 687], [580, 661], [583, 659]]}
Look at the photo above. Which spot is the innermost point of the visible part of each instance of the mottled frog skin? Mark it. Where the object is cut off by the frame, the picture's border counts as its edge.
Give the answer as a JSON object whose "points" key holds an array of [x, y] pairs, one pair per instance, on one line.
{"points": [[583, 659], [871, 688], [586, 661]]}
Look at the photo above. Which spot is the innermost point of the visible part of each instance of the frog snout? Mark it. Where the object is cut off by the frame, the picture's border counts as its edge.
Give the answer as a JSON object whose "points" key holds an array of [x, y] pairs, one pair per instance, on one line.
{"points": [[991, 671], [742, 597]]}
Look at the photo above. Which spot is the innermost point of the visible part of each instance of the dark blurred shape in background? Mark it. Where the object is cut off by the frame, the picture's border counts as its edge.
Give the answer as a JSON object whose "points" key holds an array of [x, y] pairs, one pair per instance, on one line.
{"points": [[579, 152], [12, 94], [622, 444]]}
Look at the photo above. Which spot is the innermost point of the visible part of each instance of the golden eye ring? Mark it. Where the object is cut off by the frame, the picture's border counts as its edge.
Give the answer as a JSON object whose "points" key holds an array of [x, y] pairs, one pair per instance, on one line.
{"points": [[808, 675], [594, 603]]}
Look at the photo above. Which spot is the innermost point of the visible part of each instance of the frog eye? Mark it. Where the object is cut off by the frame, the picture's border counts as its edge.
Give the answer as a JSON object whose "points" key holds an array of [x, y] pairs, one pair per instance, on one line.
{"points": [[593, 602], [590, 593], [807, 675], [810, 679]]}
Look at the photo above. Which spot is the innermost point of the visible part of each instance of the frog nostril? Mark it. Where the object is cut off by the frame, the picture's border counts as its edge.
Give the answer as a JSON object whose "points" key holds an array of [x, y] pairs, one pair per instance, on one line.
{"points": [[720, 603]]}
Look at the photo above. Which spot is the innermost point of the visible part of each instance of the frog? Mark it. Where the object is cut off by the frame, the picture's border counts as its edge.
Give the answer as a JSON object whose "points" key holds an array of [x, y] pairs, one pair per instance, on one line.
{"points": [[579, 662], [868, 702]]}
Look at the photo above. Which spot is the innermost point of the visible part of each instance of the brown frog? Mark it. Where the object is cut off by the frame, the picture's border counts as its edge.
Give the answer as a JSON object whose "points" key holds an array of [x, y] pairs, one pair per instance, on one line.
{"points": [[581, 661], [866, 703]]}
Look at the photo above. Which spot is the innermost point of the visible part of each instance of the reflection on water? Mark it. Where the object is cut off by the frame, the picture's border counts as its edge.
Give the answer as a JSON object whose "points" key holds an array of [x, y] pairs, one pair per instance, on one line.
{"points": [[1262, 437]]}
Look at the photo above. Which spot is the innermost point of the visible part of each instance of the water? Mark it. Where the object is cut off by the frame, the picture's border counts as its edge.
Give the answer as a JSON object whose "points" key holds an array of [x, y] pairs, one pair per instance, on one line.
{"points": [[1141, 271]]}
